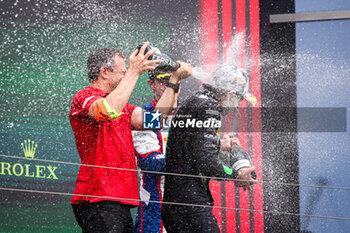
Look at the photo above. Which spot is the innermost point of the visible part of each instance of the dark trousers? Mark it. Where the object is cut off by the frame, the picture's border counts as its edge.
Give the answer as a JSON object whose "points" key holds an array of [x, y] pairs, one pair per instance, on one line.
{"points": [[183, 219], [104, 216]]}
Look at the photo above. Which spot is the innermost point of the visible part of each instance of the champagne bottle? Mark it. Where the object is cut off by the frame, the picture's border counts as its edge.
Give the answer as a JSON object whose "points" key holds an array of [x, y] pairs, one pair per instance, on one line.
{"points": [[237, 159], [240, 158], [167, 63]]}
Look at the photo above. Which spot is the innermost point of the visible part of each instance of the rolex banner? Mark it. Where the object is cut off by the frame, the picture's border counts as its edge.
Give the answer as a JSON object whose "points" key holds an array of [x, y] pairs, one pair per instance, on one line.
{"points": [[42, 66]]}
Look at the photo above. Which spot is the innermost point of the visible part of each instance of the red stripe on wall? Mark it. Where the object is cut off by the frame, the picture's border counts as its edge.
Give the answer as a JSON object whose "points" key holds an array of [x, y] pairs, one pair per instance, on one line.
{"points": [[256, 113], [209, 34], [240, 30], [227, 31], [242, 119], [230, 203], [245, 215], [215, 189], [227, 49]]}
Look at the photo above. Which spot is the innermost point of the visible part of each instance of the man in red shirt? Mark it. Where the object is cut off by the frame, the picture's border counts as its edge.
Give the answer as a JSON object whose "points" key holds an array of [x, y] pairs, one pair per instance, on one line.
{"points": [[102, 119]]}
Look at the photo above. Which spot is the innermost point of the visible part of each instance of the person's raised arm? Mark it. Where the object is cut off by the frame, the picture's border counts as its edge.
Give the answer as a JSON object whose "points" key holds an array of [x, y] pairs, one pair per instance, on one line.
{"points": [[138, 64], [166, 102]]}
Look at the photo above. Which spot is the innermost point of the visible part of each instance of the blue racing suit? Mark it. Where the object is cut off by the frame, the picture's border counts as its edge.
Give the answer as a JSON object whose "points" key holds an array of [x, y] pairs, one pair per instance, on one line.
{"points": [[150, 157]]}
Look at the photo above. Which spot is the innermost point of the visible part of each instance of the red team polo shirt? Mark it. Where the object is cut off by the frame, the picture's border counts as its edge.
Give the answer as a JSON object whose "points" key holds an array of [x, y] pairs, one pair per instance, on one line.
{"points": [[107, 144]]}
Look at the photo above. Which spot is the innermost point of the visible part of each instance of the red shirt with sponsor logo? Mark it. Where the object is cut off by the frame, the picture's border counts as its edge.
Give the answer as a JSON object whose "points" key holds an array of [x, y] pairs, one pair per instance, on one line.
{"points": [[107, 144]]}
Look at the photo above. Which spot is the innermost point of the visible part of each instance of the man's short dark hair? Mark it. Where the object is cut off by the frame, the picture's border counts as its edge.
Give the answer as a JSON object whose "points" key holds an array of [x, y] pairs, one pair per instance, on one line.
{"points": [[102, 57]]}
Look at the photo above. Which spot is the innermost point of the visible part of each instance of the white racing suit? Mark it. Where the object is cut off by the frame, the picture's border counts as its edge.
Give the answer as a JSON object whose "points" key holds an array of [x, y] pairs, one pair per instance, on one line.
{"points": [[150, 157]]}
